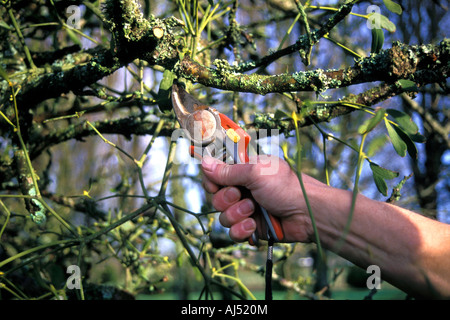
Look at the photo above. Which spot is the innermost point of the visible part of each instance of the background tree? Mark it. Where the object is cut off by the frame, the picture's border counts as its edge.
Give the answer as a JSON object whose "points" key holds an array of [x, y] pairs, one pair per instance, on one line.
{"points": [[90, 177]]}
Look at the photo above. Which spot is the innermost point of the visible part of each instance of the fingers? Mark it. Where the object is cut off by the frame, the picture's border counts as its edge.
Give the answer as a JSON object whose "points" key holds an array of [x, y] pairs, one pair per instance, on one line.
{"points": [[237, 218], [243, 230], [226, 197], [224, 174], [228, 200], [237, 212]]}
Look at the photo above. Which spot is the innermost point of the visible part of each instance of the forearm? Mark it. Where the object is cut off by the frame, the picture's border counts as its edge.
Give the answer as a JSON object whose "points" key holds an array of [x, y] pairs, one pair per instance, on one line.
{"points": [[413, 252]]}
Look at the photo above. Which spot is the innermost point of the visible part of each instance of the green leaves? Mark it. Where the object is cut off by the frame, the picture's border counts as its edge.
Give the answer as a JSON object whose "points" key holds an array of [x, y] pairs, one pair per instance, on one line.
{"points": [[403, 120], [403, 133], [380, 175], [408, 85], [371, 123], [393, 7], [379, 21], [397, 142], [377, 40]]}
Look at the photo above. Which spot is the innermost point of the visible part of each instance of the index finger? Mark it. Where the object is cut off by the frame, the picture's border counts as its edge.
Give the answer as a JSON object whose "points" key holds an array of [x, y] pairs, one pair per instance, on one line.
{"points": [[209, 186]]}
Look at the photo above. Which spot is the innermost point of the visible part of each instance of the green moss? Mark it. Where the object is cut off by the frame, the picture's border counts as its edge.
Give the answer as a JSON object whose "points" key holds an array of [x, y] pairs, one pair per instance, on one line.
{"points": [[268, 121], [246, 66], [318, 80], [302, 78], [322, 112], [223, 67], [38, 210], [39, 217]]}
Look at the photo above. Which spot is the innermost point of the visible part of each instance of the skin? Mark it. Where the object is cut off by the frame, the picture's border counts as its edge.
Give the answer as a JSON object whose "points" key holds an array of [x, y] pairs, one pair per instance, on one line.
{"points": [[412, 251]]}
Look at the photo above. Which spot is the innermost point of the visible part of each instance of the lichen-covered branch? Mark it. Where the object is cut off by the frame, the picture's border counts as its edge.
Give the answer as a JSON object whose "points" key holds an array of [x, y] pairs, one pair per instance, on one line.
{"points": [[36, 209], [422, 64], [74, 75], [155, 41], [133, 37], [326, 112], [146, 126]]}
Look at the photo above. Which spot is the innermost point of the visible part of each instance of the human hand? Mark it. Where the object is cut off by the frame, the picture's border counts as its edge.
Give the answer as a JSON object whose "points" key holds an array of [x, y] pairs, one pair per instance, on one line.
{"points": [[411, 249], [272, 184]]}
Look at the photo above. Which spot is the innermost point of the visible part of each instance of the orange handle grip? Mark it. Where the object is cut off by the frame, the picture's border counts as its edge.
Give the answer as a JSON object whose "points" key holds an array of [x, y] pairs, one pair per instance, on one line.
{"points": [[276, 225], [273, 228], [244, 137]]}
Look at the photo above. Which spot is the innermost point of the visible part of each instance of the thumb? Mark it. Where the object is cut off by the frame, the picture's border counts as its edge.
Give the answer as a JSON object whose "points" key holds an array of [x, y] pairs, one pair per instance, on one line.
{"points": [[224, 174]]}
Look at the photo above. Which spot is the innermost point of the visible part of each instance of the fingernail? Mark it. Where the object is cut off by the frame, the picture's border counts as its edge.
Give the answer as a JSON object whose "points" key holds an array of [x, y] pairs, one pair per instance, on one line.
{"points": [[231, 195], [209, 164], [246, 207], [248, 224]]}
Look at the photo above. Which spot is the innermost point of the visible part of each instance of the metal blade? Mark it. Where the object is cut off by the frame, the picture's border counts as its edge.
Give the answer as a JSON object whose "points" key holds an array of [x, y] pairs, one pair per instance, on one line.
{"points": [[184, 104]]}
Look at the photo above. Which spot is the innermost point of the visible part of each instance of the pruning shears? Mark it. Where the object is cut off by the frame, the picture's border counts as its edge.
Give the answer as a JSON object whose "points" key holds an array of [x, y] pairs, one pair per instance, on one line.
{"points": [[214, 134]]}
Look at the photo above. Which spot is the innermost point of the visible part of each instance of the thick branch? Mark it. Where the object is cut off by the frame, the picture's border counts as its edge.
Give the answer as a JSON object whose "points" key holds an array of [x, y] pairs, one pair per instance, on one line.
{"points": [[72, 78], [133, 37], [422, 64]]}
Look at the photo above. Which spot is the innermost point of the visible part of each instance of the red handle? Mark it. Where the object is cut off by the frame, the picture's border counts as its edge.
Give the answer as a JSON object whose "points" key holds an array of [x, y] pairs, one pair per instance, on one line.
{"points": [[244, 137], [277, 227]]}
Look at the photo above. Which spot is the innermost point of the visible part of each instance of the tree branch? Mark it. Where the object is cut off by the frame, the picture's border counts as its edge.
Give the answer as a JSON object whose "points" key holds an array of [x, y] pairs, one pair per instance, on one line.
{"points": [[126, 126], [417, 63], [133, 37], [326, 112]]}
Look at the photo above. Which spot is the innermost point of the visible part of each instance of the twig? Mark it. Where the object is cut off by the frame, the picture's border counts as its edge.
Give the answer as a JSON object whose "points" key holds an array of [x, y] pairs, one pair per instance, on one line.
{"points": [[304, 42], [305, 54], [21, 38]]}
